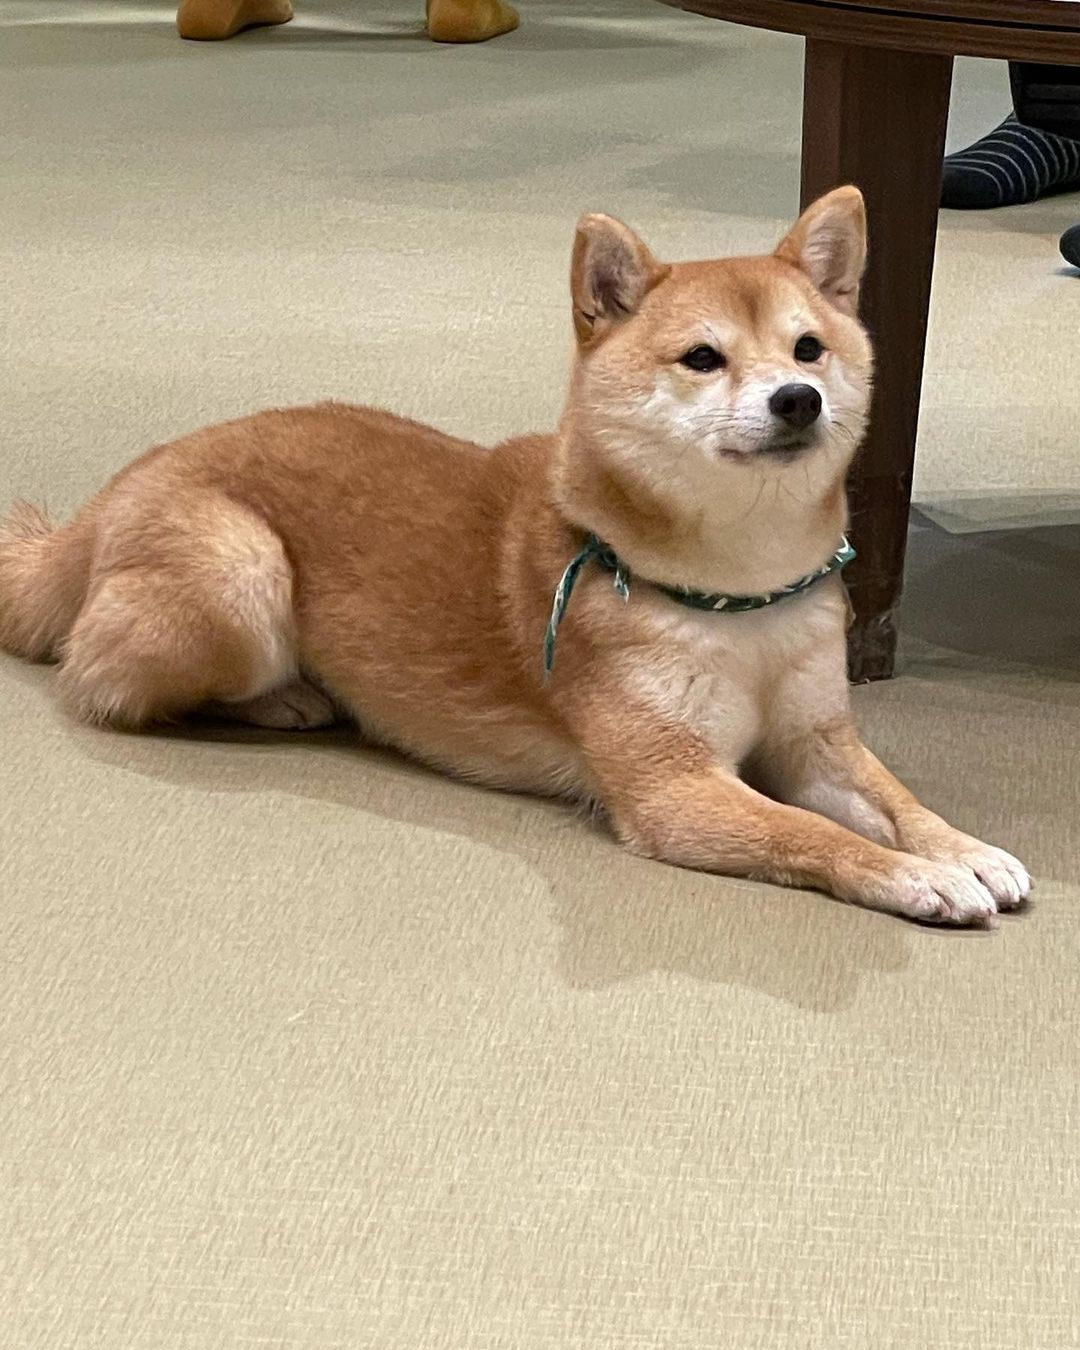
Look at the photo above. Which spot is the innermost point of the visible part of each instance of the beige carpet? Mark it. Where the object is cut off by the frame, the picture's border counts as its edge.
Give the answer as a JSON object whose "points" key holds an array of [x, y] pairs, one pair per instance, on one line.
{"points": [[305, 1048]]}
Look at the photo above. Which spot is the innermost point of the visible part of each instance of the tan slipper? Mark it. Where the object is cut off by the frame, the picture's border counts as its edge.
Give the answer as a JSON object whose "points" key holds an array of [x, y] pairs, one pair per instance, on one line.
{"points": [[469, 20], [212, 20]]}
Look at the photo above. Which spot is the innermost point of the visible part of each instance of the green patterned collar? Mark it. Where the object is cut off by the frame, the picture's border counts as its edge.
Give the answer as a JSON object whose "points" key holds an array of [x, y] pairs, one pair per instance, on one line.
{"points": [[596, 550]]}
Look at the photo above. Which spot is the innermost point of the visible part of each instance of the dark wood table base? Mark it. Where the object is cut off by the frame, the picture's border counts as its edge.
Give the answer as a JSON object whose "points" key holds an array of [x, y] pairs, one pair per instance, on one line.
{"points": [[877, 118]]}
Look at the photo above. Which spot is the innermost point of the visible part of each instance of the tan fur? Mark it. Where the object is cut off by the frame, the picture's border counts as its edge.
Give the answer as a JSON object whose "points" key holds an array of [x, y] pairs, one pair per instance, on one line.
{"points": [[295, 563], [44, 574]]}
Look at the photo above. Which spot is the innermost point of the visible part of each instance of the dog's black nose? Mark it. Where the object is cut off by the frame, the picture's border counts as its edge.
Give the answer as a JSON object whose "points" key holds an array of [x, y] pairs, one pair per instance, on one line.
{"points": [[796, 404]]}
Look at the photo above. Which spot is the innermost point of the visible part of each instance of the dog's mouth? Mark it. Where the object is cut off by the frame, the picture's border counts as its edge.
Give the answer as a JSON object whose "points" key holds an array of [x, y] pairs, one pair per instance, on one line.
{"points": [[786, 446], [778, 447]]}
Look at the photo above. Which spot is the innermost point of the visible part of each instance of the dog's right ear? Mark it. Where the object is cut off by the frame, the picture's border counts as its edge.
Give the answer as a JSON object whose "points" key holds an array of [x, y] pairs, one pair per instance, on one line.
{"points": [[611, 273]]}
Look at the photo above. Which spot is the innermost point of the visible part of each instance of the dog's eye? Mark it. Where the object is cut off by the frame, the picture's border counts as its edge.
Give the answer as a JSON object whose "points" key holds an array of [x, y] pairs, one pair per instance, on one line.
{"points": [[809, 349], [702, 358]]}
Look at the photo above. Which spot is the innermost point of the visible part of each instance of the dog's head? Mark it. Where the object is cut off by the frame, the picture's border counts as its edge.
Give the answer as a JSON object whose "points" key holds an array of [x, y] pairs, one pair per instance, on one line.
{"points": [[695, 381]]}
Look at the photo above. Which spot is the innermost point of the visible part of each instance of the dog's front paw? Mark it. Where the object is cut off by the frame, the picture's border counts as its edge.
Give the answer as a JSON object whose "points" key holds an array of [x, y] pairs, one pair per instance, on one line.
{"points": [[1004, 877], [935, 892]]}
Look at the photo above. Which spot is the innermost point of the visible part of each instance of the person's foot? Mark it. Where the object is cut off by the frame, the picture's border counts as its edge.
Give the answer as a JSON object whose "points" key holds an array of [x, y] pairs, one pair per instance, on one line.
{"points": [[211, 20], [1012, 165], [469, 20], [1070, 245]]}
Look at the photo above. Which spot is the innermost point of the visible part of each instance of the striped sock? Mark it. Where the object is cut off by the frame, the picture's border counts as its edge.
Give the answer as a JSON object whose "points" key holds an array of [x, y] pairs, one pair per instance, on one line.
{"points": [[1014, 164]]}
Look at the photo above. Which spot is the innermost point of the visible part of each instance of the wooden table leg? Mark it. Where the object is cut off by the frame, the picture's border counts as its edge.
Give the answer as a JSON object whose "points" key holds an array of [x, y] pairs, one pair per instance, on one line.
{"points": [[876, 117]]}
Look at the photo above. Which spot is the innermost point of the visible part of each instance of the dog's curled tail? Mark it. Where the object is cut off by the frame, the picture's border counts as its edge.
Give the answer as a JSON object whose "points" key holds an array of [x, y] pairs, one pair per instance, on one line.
{"points": [[44, 575]]}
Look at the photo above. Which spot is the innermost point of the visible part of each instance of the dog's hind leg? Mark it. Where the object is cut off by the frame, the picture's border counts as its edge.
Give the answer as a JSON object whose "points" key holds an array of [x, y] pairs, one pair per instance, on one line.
{"points": [[297, 706], [188, 604]]}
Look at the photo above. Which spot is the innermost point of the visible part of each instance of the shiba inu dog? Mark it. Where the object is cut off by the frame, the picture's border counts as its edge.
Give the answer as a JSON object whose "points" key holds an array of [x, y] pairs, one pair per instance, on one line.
{"points": [[643, 611]]}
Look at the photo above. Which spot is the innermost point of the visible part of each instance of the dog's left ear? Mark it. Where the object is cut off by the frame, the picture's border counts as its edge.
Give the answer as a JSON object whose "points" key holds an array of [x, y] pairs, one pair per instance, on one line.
{"points": [[828, 243]]}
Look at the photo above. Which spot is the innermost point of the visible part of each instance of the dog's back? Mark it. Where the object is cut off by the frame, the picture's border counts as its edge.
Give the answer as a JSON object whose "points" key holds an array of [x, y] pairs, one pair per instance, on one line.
{"points": [[335, 544]]}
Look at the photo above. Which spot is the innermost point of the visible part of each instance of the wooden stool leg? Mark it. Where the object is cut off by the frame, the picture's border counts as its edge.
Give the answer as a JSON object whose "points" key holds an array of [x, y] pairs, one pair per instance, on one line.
{"points": [[876, 117]]}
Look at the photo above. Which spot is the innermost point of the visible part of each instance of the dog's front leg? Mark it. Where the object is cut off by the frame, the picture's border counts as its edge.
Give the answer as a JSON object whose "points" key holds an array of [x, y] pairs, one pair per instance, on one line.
{"points": [[825, 768], [668, 800]]}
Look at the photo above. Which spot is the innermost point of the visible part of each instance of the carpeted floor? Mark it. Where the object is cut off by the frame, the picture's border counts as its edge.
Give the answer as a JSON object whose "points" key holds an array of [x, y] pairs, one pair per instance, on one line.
{"points": [[303, 1047]]}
